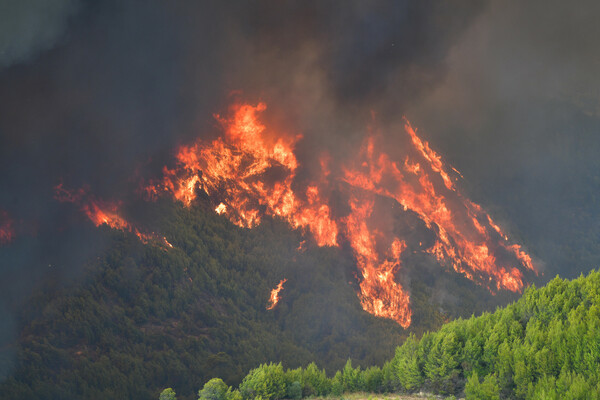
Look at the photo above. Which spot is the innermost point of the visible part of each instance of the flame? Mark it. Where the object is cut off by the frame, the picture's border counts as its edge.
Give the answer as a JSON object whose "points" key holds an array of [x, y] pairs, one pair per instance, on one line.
{"points": [[251, 172], [301, 247], [236, 168], [103, 212], [274, 299], [7, 230], [380, 294], [166, 242], [464, 239], [221, 208]]}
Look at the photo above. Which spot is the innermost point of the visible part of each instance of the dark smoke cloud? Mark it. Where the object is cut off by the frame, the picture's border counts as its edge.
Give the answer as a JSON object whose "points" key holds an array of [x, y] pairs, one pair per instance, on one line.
{"points": [[128, 81]]}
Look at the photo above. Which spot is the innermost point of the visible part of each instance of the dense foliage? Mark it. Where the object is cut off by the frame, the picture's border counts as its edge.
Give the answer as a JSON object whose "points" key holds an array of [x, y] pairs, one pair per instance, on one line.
{"points": [[144, 317], [544, 346]]}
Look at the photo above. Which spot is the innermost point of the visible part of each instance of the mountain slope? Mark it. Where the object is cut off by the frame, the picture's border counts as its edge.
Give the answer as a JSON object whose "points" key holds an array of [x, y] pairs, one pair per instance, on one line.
{"points": [[145, 316], [544, 346]]}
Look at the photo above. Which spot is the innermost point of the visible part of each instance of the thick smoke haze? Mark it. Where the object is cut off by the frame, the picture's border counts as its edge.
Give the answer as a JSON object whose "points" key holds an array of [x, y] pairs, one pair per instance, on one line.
{"points": [[99, 93], [108, 99], [518, 113]]}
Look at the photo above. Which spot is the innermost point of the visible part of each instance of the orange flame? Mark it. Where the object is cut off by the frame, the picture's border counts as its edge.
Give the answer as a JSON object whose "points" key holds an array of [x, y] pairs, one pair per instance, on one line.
{"points": [[380, 294], [251, 172], [236, 168], [464, 239], [103, 213], [274, 299], [221, 208], [166, 242]]}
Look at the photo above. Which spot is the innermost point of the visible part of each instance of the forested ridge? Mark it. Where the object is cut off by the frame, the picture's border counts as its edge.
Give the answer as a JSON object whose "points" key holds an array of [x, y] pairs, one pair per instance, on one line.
{"points": [[144, 316], [544, 346]]}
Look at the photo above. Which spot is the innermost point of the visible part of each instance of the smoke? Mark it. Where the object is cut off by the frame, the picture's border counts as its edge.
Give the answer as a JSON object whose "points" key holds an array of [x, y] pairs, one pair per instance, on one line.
{"points": [[518, 113], [100, 93], [129, 82], [329, 66], [28, 27]]}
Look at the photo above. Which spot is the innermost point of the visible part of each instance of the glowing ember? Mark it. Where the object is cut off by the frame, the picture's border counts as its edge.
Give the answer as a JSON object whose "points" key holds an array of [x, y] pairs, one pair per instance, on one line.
{"points": [[253, 170], [102, 212], [7, 230], [166, 242], [274, 299], [302, 246]]}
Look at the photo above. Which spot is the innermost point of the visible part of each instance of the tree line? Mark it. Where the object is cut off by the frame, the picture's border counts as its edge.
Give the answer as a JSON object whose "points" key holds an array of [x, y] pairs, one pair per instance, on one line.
{"points": [[544, 346]]}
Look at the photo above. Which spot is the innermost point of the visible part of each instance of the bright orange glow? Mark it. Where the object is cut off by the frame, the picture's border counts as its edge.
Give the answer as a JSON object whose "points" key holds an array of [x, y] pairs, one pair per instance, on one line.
{"points": [[464, 240], [380, 294], [166, 242], [236, 169], [7, 230], [103, 213], [274, 299], [252, 172], [221, 208]]}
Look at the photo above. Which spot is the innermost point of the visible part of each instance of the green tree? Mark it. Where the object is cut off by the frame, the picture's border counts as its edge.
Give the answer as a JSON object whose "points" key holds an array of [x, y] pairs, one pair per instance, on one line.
{"points": [[294, 391], [390, 380], [315, 381], [351, 378], [486, 390], [266, 381], [215, 389], [167, 394], [441, 366], [337, 384], [373, 380], [407, 361]]}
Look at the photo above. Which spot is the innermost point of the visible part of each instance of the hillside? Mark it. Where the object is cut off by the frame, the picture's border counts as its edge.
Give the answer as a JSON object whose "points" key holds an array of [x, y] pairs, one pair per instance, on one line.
{"points": [[544, 346], [143, 316]]}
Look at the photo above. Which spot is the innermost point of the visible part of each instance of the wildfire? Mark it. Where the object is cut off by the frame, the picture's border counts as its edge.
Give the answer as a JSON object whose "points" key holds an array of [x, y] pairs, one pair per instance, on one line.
{"points": [[251, 172], [236, 168], [274, 299], [380, 294], [103, 212], [465, 239], [7, 230]]}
